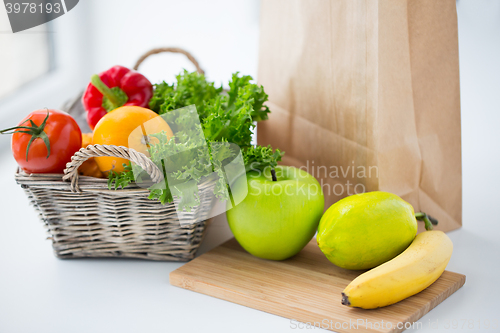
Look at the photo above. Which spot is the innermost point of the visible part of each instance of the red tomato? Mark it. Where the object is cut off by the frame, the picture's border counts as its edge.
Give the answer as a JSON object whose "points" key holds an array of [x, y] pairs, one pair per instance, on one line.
{"points": [[62, 132]]}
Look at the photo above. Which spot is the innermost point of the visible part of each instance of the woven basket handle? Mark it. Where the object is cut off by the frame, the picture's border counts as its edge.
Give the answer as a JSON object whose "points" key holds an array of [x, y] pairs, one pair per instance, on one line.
{"points": [[171, 50], [71, 171]]}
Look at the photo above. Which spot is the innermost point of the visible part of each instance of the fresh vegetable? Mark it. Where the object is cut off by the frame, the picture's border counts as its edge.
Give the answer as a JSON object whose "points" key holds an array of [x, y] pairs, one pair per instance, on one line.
{"points": [[89, 167], [44, 141], [278, 217], [412, 271], [193, 88], [113, 88], [224, 118], [124, 127]]}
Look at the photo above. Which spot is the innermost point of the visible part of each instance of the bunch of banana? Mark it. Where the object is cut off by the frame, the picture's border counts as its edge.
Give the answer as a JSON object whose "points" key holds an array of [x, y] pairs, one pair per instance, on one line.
{"points": [[412, 271]]}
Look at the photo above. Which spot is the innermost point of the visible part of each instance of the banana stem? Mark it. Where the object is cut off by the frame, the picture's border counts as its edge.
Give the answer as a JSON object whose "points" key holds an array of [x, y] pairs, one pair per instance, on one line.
{"points": [[427, 219], [345, 300]]}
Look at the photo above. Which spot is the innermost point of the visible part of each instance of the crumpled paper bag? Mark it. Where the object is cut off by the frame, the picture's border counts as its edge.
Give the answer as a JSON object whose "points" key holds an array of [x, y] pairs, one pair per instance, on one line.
{"points": [[365, 96]]}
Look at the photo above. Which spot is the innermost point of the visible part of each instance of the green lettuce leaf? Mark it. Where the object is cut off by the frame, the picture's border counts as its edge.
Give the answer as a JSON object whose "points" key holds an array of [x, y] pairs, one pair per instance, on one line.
{"points": [[191, 155]]}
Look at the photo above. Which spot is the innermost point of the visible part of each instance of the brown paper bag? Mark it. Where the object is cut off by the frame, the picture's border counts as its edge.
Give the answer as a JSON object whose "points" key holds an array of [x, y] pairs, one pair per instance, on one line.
{"points": [[365, 96]]}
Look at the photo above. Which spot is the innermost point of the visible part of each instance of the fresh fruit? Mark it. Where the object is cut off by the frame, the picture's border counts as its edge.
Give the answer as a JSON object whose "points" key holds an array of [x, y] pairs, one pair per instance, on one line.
{"points": [[45, 140], [86, 139], [89, 167], [277, 218], [409, 273], [128, 126], [365, 230]]}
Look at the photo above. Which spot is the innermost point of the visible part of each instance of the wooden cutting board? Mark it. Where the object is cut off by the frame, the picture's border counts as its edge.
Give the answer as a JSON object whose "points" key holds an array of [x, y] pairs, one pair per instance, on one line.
{"points": [[305, 288]]}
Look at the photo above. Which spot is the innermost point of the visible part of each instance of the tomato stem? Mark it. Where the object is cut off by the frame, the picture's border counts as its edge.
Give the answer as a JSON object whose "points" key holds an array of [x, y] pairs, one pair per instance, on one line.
{"points": [[35, 132], [14, 129]]}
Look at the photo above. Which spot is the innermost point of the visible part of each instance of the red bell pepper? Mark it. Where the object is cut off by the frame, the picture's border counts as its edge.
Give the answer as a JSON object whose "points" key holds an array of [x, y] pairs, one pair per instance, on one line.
{"points": [[113, 88]]}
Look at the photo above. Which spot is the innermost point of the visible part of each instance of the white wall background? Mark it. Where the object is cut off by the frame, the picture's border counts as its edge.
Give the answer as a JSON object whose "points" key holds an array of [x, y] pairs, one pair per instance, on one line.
{"points": [[479, 47], [221, 34]]}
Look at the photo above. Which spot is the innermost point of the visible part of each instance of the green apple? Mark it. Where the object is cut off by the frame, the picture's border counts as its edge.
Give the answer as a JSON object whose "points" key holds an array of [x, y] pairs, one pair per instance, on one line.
{"points": [[280, 213]]}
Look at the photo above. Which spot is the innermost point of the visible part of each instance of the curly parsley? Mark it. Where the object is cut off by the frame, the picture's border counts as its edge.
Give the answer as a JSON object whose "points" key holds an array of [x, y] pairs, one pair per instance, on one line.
{"points": [[225, 117]]}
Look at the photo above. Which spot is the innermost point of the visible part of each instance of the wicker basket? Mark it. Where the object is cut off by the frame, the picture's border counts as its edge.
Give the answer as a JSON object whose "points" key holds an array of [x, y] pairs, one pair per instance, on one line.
{"points": [[86, 219]]}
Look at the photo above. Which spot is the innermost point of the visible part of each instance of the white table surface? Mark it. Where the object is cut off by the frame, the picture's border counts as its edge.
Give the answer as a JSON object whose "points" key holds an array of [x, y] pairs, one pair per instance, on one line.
{"points": [[40, 293]]}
